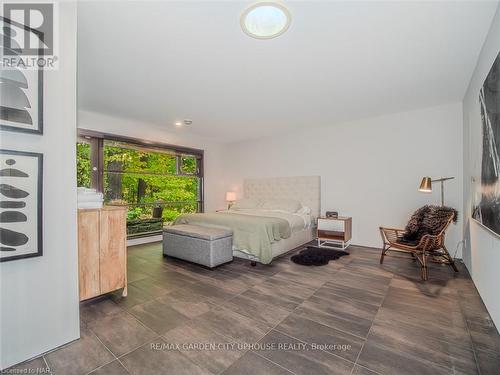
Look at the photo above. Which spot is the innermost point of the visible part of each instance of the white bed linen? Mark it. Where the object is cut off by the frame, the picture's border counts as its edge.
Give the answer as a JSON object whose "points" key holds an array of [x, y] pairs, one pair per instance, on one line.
{"points": [[296, 221], [282, 246]]}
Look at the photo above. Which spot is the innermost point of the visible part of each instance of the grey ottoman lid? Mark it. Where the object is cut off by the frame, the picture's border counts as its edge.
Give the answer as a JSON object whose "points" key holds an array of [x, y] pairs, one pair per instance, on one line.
{"points": [[198, 231]]}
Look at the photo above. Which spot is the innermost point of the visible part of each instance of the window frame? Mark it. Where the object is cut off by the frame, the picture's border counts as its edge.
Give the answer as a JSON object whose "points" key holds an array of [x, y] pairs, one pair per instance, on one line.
{"points": [[97, 139]]}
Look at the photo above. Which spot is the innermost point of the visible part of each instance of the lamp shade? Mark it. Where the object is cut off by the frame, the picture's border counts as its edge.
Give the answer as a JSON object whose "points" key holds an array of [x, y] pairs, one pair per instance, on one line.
{"points": [[230, 196], [426, 185]]}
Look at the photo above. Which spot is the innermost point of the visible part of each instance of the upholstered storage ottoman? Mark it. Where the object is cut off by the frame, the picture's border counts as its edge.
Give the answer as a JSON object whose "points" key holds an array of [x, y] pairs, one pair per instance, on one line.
{"points": [[207, 246]]}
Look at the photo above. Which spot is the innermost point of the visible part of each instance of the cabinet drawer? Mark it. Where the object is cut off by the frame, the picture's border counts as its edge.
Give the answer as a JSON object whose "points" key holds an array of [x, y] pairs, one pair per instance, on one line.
{"points": [[331, 225]]}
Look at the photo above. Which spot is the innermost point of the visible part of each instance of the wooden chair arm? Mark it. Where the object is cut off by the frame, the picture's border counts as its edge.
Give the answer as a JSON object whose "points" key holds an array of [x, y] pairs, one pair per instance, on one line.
{"points": [[391, 234], [392, 229]]}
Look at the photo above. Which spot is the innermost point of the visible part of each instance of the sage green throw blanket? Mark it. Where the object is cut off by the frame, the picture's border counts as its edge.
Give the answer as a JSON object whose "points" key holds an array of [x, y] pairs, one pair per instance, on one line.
{"points": [[253, 234]]}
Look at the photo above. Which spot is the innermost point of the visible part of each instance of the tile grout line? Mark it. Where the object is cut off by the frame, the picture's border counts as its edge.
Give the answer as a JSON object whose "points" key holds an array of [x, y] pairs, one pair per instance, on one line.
{"points": [[410, 355], [335, 328], [441, 340], [470, 337], [161, 336], [292, 312], [366, 368], [140, 322], [276, 325], [371, 326], [274, 363], [230, 339], [101, 366], [314, 292], [123, 365], [220, 334], [272, 327], [47, 364], [235, 312], [322, 350], [108, 349], [137, 347], [265, 278]]}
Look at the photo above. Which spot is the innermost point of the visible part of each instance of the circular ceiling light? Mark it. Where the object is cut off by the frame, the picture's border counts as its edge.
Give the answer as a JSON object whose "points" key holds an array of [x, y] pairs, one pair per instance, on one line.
{"points": [[265, 20]]}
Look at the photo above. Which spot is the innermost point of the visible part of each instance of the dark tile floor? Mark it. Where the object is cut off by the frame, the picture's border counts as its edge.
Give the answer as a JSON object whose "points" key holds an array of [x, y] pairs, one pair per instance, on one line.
{"points": [[353, 316]]}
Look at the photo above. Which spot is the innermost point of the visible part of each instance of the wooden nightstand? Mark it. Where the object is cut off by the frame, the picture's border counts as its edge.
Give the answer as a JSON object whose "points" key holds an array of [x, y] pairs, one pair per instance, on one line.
{"points": [[334, 232]]}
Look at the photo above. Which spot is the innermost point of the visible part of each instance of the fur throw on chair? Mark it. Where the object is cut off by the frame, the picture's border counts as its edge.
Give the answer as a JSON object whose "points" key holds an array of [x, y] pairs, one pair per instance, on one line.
{"points": [[427, 220]]}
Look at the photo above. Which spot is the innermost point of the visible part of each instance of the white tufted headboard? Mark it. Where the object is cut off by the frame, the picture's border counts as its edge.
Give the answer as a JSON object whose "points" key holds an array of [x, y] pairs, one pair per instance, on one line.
{"points": [[305, 189]]}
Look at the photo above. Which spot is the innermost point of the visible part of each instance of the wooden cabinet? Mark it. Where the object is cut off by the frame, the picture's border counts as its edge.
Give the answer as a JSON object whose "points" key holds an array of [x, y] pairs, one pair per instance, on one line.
{"points": [[335, 232], [88, 253], [102, 251]]}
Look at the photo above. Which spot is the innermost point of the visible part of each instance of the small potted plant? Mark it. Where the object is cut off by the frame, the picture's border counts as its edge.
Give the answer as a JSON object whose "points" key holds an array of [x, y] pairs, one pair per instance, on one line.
{"points": [[158, 209]]}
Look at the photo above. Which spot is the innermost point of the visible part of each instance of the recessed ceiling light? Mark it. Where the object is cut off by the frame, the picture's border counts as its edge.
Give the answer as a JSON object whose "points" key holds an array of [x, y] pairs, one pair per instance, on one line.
{"points": [[265, 20], [188, 121], [178, 123]]}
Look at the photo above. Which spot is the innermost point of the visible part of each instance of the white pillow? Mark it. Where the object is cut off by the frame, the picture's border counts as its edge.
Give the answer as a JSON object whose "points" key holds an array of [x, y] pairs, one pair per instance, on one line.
{"points": [[304, 210], [245, 204], [287, 205]]}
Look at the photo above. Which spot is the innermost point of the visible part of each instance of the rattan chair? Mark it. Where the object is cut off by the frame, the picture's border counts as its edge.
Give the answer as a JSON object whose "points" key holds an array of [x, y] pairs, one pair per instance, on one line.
{"points": [[429, 246]]}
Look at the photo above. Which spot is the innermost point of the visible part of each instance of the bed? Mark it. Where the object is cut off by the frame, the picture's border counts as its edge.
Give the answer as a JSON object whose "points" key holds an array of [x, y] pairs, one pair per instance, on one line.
{"points": [[261, 235]]}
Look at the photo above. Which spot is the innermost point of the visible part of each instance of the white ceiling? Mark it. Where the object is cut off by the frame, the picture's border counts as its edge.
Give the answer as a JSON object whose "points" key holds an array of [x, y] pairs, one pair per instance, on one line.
{"points": [[160, 62]]}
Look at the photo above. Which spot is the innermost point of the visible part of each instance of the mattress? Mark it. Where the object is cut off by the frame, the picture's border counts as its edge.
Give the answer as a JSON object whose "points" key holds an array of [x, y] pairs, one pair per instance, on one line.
{"points": [[278, 248], [300, 225], [253, 233], [296, 221], [256, 232]]}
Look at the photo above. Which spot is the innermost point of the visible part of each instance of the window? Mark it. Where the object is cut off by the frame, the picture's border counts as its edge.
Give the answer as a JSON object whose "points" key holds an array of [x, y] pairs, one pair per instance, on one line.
{"points": [[83, 164], [188, 165], [157, 182]]}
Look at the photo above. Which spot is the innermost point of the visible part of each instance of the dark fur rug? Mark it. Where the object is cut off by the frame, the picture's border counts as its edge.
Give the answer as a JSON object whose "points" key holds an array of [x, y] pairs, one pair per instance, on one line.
{"points": [[316, 256]]}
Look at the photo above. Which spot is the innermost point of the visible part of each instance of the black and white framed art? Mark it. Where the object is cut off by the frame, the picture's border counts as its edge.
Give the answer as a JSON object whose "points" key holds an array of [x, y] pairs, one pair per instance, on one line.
{"points": [[21, 184], [21, 89], [485, 162]]}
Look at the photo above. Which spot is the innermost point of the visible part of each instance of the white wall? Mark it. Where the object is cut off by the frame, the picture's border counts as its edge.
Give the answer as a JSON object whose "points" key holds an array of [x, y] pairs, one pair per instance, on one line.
{"points": [[213, 155], [370, 169], [482, 253], [39, 296]]}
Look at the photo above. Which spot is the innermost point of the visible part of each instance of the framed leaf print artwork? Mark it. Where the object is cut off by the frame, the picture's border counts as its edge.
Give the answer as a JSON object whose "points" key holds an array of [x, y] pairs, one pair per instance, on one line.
{"points": [[21, 88], [21, 175]]}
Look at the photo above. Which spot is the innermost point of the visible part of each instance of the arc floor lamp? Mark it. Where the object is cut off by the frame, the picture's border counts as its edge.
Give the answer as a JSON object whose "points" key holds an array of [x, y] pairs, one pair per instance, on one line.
{"points": [[426, 185]]}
